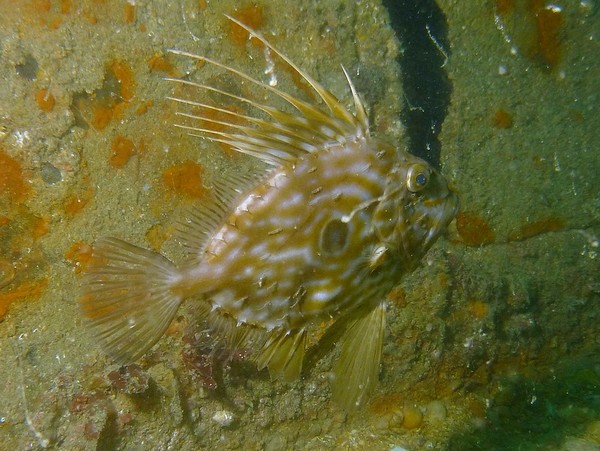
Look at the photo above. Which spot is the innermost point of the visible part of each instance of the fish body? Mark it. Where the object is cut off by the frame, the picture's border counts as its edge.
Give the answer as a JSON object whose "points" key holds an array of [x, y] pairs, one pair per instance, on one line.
{"points": [[298, 240], [324, 233]]}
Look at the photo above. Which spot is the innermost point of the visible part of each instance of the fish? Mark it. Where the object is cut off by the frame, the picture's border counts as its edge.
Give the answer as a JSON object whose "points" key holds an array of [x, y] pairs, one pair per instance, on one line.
{"points": [[314, 241]]}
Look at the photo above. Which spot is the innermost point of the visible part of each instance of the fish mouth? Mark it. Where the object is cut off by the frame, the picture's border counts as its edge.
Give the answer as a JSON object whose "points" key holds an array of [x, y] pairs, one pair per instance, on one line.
{"points": [[441, 218], [427, 223]]}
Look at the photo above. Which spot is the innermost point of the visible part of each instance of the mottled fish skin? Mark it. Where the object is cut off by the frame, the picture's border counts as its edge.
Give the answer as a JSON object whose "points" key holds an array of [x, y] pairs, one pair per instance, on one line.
{"points": [[326, 232]]}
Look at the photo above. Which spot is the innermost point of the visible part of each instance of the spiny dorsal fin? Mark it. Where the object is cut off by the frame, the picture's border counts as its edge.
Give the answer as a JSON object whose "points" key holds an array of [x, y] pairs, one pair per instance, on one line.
{"points": [[287, 136], [330, 100]]}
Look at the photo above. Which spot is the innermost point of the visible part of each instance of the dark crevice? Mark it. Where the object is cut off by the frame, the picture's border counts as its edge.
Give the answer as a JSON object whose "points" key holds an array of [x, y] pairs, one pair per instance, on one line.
{"points": [[423, 33]]}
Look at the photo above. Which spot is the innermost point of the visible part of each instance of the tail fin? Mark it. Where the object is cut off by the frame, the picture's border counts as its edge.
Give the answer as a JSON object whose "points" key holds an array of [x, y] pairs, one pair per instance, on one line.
{"points": [[128, 297]]}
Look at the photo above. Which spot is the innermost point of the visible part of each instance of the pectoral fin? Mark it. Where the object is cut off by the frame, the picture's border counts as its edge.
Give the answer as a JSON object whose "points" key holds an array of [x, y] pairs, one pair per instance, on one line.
{"points": [[357, 369]]}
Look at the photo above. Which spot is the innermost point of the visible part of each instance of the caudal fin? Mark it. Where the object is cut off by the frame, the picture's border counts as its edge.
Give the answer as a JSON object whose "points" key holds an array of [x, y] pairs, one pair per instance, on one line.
{"points": [[128, 297]]}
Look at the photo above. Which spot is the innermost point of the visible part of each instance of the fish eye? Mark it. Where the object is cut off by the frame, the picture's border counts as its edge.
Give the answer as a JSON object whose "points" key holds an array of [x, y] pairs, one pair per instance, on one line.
{"points": [[417, 177], [334, 237]]}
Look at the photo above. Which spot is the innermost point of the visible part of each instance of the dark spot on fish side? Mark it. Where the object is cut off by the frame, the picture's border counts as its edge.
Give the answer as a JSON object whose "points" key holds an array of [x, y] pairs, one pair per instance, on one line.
{"points": [[334, 237]]}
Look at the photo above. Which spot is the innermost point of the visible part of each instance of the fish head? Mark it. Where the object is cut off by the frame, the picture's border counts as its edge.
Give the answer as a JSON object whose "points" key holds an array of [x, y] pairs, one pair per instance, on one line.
{"points": [[415, 209]]}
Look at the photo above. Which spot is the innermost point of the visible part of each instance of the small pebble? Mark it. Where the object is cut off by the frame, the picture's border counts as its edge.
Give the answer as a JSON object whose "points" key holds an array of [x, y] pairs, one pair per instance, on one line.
{"points": [[413, 417], [28, 69], [50, 174], [436, 412]]}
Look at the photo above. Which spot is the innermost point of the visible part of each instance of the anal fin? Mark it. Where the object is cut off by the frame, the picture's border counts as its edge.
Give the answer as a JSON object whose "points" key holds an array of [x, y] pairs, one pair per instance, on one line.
{"points": [[357, 369], [283, 354]]}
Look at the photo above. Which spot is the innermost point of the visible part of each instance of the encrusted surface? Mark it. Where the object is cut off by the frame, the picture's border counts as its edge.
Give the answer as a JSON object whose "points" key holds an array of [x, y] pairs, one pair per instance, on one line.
{"points": [[496, 330]]}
